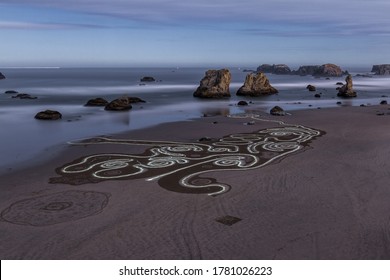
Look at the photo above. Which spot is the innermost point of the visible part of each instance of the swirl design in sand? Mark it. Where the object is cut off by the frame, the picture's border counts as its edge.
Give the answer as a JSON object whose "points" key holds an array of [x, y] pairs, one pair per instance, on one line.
{"points": [[181, 167], [55, 208]]}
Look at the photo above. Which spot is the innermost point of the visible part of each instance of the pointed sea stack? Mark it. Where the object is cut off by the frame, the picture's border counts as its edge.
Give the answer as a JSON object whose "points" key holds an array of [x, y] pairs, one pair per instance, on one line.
{"points": [[215, 84], [347, 90], [256, 84], [2, 76]]}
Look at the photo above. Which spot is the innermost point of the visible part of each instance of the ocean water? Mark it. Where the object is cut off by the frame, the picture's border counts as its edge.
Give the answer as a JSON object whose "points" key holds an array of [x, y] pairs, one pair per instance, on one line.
{"points": [[25, 140]]}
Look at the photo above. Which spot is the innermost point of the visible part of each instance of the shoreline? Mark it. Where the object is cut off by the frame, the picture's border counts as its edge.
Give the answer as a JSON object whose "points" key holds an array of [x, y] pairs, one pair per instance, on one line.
{"points": [[326, 201]]}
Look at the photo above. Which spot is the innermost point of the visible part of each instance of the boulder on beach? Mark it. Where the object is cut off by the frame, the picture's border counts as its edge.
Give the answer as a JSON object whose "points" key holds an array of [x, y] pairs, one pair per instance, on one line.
{"points": [[325, 70], [96, 102], [2, 76], [48, 115], [120, 104], [277, 111], [148, 79], [278, 69], [347, 89], [381, 69], [256, 84], [215, 84], [24, 96], [311, 88]]}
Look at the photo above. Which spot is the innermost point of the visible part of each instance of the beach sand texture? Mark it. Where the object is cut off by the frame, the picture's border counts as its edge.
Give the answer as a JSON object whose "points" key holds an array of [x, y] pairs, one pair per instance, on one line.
{"points": [[318, 194]]}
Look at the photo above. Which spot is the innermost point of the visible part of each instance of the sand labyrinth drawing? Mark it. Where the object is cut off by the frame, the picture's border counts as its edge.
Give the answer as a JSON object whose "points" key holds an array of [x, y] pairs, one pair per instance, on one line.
{"points": [[181, 167]]}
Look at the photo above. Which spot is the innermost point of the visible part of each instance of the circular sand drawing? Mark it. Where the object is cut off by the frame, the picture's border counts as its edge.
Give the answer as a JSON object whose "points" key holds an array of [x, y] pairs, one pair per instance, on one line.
{"points": [[180, 167], [55, 208]]}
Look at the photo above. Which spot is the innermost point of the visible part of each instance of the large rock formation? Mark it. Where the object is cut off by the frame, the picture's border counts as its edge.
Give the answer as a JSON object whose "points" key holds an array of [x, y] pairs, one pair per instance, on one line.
{"points": [[2, 76], [381, 69], [215, 84], [256, 84], [325, 70], [347, 89], [279, 69]]}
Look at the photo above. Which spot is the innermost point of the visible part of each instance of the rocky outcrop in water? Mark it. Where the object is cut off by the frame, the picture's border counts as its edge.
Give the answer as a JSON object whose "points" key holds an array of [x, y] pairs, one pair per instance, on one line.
{"points": [[48, 115], [215, 84], [148, 79], [325, 70], [2, 76], [96, 102], [381, 69], [278, 69], [311, 88], [120, 104], [256, 84], [11, 92], [24, 96], [347, 89]]}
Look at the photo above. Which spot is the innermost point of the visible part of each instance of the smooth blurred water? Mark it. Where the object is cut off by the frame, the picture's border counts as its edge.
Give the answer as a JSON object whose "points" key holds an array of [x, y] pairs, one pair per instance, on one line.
{"points": [[23, 138]]}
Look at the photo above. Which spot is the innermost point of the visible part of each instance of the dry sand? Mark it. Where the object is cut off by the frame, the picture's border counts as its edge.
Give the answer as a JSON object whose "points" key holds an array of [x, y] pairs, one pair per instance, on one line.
{"points": [[330, 200]]}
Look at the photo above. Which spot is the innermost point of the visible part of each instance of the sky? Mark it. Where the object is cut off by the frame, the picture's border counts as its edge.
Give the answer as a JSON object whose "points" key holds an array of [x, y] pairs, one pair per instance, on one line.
{"points": [[178, 33]]}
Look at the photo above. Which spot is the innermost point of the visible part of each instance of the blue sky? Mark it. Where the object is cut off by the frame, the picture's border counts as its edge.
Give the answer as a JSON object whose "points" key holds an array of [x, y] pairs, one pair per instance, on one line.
{"points": [[193, 33]]}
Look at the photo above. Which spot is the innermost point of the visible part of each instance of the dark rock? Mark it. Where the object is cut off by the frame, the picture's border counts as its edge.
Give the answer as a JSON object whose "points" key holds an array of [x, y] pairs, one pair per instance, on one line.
{"points": [[277, 111], [215, 84], [148, 79], [317, 95], [256, 84], [347, 89], [381, 69], [2, 76], [242, 103], [278, 69], [204, 139], [311, 88], [362, 105], [48, 115], [248, 70], [339, 84], [383, 102], [339, 103], [120, 104], [11, 92], [325, 70], [24, 96], [135, 100], [97, 102]]}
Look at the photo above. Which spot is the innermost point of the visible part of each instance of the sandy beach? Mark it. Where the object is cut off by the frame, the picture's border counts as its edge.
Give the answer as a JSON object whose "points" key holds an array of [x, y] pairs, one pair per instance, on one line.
{"points": [[312, 187]]}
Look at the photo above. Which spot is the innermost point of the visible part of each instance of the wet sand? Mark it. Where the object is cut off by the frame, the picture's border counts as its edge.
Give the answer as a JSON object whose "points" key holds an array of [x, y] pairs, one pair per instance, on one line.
{"points": [[293, 196]]}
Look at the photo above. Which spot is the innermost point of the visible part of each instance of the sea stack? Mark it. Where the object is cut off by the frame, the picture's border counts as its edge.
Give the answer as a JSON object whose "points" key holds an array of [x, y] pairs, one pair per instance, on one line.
{"points": [[256, 84], [325, 70], [215, 84], [381, 69], [278, 69], [2, 76], [347, 90]]}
